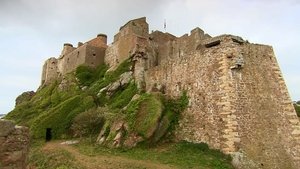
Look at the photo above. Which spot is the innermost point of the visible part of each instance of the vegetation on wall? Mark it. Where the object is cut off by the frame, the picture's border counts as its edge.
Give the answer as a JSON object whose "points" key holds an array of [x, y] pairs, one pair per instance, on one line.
{"points": [[297, 108]]}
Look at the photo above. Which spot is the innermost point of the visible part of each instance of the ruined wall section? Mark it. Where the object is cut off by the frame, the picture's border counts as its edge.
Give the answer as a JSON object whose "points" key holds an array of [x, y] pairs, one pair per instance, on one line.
{"points": [[125, 41]]}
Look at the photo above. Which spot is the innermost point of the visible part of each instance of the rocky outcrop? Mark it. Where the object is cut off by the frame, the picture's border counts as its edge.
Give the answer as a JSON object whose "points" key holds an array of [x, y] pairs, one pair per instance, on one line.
{"points": [[124, 79], [26, 96], [14, 145], [144, 121]]}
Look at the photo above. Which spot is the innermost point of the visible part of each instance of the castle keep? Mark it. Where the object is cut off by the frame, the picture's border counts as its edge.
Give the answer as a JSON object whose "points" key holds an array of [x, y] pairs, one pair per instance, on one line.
{"points": [[238, 100]]}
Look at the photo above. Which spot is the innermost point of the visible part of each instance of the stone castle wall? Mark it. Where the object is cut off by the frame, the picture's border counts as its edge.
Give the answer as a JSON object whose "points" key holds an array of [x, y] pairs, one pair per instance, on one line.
{"points": [[238, 102], [90, 53]]}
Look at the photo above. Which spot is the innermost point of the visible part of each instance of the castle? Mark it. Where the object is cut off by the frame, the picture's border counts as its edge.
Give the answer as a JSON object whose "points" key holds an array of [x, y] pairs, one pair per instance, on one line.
{"points": [[238, 100]]}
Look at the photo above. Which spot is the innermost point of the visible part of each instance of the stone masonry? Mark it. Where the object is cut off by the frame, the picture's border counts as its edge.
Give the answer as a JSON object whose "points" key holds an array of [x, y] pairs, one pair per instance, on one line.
{"points": [[238, 100], [90, 53], [14, 145]]}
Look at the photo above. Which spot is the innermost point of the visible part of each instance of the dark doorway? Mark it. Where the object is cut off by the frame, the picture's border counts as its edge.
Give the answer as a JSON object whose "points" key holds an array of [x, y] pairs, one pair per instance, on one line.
{"points": [[48, 134]]}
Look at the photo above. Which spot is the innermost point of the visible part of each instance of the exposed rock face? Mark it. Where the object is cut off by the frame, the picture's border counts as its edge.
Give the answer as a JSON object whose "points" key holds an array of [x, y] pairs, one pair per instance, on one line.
{"points": [[14, 145], [124, 79]]}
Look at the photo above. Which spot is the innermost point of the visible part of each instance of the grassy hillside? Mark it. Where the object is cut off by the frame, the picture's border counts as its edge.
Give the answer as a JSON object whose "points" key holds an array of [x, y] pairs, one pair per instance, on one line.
{"points": [[95, 102]]}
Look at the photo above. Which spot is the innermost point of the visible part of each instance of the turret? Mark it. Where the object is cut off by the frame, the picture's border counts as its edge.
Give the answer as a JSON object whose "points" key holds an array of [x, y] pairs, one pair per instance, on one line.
{"points": [[102, 37], [100, 41]]}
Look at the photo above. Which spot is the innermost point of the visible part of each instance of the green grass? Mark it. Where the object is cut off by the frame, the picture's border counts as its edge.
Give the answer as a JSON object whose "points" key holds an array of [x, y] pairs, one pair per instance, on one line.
{"points": [[123, 96], [60, 117], [110, 76], [181, 155], [148, 116], [173, 109], [51, 159], [145, 113]]}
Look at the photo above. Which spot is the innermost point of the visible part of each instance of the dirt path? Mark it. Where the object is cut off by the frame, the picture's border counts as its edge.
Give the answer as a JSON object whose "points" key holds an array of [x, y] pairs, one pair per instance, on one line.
{"points": [[104, 162]]}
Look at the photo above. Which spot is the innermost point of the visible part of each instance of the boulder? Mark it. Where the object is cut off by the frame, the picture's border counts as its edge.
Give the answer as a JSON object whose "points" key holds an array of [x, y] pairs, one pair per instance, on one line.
{"points": [[132, 140], [14, 145], [124, 79], [6, 127]]}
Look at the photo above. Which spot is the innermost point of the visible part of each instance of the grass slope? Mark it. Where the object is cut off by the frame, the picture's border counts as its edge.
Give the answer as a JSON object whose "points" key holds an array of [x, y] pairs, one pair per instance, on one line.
{"points": [[181, 155]]}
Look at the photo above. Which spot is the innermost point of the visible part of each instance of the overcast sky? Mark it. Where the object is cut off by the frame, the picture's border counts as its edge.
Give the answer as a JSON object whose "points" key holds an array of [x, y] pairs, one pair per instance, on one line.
{"points": [[33, 30]]}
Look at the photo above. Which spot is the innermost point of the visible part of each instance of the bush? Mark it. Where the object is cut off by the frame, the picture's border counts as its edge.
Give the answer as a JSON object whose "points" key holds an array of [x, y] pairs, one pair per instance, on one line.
{"points": [[87, 75], [89, 122]]}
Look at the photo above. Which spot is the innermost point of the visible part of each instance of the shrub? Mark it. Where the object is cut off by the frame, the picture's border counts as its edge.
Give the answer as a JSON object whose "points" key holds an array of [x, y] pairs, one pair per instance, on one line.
{"points": [[89, 122], [87, 75]]}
